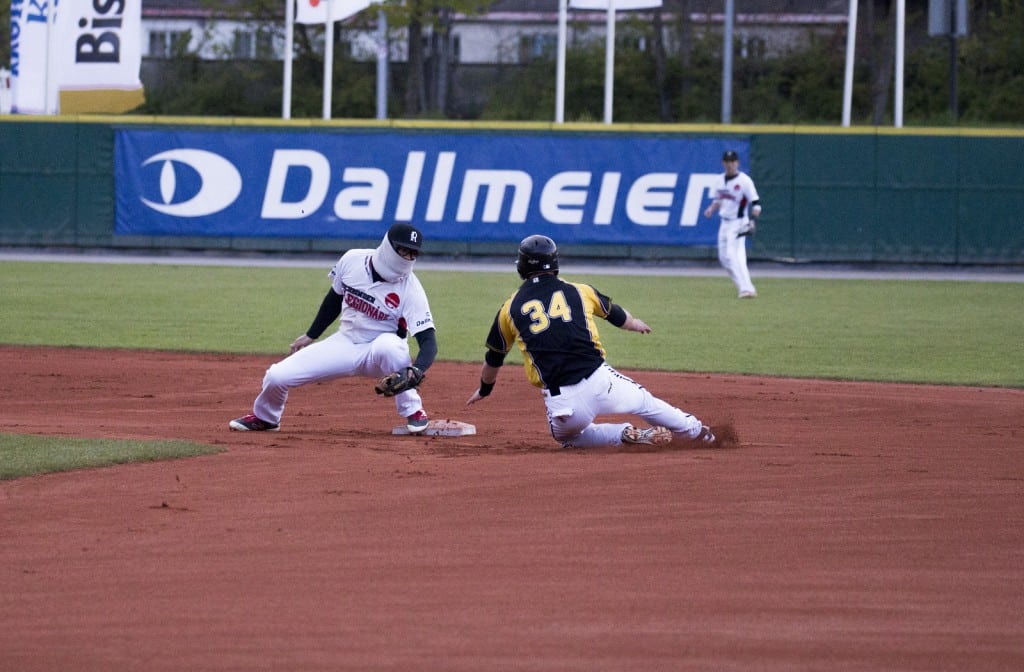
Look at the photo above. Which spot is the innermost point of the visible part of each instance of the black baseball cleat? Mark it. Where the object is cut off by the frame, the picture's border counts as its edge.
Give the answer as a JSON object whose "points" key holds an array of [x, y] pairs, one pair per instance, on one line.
{"points": [[251, 423]]}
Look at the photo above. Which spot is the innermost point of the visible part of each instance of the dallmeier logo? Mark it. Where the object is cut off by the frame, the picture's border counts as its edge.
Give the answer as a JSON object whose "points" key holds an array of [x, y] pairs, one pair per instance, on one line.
{"points": [[219, 183], [427, 190]]}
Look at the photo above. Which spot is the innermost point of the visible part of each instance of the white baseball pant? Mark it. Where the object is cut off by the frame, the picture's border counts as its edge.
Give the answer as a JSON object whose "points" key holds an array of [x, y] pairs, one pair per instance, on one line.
{"points": [[335, 357], [572, 411], [732, 253]]}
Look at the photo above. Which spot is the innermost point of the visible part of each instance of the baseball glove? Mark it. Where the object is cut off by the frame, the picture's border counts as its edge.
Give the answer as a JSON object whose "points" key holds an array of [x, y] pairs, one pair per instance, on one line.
{"points": [[399, 381], [748, 230]]}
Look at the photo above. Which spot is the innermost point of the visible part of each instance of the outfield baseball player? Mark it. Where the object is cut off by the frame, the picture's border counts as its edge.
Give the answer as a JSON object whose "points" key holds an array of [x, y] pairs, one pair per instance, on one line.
{"points": [[738, 205], [553, 323], [381, 302]]}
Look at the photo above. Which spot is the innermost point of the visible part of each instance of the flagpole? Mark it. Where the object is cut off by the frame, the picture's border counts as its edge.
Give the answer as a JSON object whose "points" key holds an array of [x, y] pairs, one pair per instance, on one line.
{"points": [[901, 13], [730, 17], [851, 44], [289, 48], [328, 58], [563, 12], [50, 105], [609, 61], [382, 65]]}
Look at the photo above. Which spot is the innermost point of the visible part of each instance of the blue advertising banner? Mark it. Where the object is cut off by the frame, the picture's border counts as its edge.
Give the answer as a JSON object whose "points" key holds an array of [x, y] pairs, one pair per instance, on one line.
{"points": [[466, 187]]}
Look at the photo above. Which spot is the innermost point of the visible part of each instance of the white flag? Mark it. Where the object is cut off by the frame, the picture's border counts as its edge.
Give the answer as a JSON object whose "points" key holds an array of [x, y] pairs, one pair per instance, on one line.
{"points": [[623, 5], [99, 53], [86, 60], [311, 11], [315, 11], [28, 56]]}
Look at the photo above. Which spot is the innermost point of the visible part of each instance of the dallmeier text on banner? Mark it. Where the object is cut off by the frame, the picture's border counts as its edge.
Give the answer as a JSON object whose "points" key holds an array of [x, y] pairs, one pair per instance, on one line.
{"points": [[488, 187]]}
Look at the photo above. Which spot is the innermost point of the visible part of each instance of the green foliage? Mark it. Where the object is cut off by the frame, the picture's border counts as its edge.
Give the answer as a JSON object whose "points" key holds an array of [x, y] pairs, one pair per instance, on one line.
{"points": [[797, 85], [5, 31], [927, 74], [222, 88], [192, 86], [802, 85], [992, 67], [938, 332], [23, 455], [634, 88]]}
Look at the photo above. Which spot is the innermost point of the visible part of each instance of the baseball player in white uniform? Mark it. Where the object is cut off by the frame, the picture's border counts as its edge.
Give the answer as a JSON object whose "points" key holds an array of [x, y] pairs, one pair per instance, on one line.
{"points": [[381, 302], [737, 203]]}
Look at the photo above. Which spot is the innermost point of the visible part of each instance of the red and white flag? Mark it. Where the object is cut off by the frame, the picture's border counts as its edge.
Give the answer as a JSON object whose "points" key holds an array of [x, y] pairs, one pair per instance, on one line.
{"points": [[315, 11]]}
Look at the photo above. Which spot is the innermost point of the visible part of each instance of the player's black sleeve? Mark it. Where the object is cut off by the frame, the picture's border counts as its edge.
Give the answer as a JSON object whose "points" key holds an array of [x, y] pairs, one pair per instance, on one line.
{"points": [[427, 340], [617, 315], [330, 308]]}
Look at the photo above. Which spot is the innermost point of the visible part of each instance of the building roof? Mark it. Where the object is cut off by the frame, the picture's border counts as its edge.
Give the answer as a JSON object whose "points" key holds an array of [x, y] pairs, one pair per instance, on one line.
{"points": [[708, 8]]}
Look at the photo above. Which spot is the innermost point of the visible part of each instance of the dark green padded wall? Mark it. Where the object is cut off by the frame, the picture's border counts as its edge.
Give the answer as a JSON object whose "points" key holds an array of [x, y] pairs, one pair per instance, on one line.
{"points": [[830, 195]]}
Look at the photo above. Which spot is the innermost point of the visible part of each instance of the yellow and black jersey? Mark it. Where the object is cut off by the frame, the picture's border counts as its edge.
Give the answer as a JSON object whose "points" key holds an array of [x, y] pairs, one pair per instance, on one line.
{"points": [[553, 322]]}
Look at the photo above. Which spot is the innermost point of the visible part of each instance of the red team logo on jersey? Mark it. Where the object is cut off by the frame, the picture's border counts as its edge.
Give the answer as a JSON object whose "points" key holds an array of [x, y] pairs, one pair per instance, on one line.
{"points": [[392, 300]]}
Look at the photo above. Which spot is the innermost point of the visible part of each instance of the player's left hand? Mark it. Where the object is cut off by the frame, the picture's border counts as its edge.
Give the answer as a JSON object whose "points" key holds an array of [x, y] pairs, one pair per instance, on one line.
{"points": [[299, 343], [474, 398], [399, 381], [637, 325]]}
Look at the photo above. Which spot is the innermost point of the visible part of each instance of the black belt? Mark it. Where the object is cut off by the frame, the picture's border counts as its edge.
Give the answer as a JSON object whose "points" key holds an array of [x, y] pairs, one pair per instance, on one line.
{"points": [[555, 390]]}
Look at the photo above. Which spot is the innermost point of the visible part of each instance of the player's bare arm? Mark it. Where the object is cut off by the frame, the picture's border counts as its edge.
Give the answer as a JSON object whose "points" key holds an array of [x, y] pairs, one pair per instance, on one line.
{"points": [[623, 319], [299, 343], [635, 324], [330, 309], [488, 377]]}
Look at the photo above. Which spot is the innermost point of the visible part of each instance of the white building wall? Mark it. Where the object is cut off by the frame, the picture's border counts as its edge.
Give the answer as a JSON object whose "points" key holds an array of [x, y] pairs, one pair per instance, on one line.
{"points": [[5, 91], [210, 39], [491, 39]]}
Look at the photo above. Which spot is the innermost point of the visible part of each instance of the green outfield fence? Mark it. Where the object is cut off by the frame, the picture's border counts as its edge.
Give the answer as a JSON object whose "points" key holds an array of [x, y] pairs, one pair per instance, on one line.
{"points": [[832, 195]]}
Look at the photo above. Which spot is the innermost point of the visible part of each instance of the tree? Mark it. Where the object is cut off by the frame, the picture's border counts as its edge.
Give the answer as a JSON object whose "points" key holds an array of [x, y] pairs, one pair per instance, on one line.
{"points": [[426, 86], [992, 64], [665, 70], [5, 30]]}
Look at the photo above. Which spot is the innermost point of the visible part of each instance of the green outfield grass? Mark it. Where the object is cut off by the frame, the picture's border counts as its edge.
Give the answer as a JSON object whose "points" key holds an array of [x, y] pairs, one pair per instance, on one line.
{"points": [[968, 333], [945, 332]]}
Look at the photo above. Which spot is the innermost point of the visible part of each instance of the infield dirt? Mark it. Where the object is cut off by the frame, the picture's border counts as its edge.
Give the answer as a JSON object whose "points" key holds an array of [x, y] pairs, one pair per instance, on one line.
{"points": [[855, 526]]}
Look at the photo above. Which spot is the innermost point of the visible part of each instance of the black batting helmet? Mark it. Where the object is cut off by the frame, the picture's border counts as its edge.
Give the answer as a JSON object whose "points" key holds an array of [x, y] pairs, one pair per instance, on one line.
{"points": [[537, 254]]}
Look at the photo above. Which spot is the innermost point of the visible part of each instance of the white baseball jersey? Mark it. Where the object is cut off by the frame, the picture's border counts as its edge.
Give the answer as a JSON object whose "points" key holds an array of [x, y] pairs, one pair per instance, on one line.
{"points": [[370, 308], [734, 195]]}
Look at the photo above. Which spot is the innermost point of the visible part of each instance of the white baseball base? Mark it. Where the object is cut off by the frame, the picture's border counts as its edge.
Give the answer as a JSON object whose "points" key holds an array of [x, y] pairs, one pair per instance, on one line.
{"points": [[440, 428]]}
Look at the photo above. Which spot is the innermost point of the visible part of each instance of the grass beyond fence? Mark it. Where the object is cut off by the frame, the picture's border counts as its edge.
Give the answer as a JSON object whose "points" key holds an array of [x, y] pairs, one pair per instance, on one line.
{"points": [[945, 332]]}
